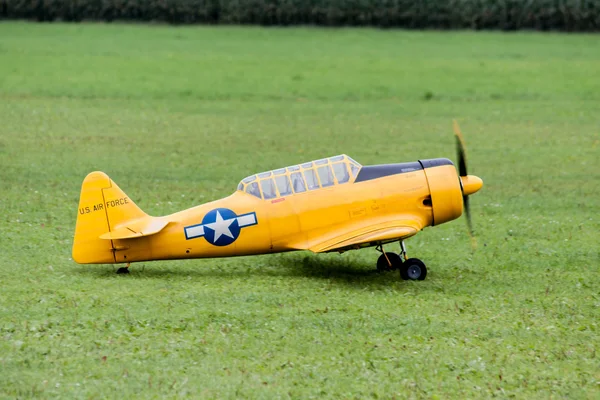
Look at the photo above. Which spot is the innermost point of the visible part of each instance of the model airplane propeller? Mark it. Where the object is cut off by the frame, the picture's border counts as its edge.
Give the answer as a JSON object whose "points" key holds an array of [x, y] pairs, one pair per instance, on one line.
{"points": [[331, 204], [462, 171]]}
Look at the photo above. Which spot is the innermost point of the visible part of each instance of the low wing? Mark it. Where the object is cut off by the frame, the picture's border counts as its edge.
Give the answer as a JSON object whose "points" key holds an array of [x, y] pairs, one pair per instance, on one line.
{"points": [[356, 238], [145, 226]]}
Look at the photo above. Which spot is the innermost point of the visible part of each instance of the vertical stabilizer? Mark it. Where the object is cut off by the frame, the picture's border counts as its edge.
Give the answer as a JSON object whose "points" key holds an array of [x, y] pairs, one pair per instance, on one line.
{"points": [[102, 206]]}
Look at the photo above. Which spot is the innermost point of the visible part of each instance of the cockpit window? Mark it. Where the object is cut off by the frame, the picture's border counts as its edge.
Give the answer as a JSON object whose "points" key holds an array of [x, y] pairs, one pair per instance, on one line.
{"points": [[354, 169], [253, 189], [311, 179], [312, 175], [283, 185], [325, 176], [298, 182], [341, 172], [268, 188]]}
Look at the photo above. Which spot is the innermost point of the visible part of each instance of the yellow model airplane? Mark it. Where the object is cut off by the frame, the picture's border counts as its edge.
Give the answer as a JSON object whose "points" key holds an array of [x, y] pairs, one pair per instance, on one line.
{"points": [[332, 204]]}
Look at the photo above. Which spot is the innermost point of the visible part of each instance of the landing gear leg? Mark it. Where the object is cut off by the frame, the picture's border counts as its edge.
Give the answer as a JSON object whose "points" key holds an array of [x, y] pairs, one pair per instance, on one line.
{"points": [[387, 261], [403, 250], [124, 270], [412, 268]]}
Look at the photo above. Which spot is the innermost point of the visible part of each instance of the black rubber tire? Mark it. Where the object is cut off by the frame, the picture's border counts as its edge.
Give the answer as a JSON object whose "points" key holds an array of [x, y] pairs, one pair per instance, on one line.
{"points": [[123, 270], [382, 262], [413, 269]]}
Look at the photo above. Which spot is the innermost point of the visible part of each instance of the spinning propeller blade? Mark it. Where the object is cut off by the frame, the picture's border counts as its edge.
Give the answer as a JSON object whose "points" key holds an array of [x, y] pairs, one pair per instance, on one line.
{"points": [[462, 171], [460, 150]]}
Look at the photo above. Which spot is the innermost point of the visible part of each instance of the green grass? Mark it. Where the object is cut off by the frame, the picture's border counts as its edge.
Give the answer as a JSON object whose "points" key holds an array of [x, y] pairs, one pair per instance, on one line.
{"points": [[177, 116]]}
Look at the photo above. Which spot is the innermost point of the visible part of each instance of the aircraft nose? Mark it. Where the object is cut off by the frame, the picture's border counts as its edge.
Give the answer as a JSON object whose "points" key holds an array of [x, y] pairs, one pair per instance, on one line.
{"points": [[471, 184]]}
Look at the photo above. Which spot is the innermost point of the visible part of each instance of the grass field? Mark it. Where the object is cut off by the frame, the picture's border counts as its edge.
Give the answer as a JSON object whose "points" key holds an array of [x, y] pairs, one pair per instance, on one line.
{"points": [[178, 115]]}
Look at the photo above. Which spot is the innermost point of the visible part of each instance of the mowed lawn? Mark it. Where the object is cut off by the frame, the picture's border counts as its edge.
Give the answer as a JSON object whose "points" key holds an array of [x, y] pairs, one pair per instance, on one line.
{"points": [[178, 115]]}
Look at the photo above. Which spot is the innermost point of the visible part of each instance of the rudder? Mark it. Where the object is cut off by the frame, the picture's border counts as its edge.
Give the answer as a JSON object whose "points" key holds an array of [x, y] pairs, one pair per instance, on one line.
{"points": [[102, 206]]}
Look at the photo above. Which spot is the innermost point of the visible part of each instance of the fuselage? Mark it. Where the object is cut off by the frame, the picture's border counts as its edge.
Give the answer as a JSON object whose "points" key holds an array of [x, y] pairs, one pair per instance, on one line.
{"points": [[293, 217]]}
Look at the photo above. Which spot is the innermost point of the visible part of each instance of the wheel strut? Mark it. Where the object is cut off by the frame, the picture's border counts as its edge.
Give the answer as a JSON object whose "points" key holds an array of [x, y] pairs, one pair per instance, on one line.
{"points": [[403, 252], [379, 248], [387, 261]]}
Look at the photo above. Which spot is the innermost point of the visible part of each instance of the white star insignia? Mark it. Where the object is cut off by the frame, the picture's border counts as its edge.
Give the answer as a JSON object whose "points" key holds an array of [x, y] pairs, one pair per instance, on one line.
{"points": [[221, 227]]}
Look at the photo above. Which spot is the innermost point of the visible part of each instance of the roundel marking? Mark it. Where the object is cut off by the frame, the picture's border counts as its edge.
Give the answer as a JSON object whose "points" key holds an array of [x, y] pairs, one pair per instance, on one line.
{"points": [[221, 226]]}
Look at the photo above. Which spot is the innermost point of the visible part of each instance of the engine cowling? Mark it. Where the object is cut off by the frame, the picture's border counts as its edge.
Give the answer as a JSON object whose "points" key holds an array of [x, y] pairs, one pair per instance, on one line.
{"points": [[445, 189]]}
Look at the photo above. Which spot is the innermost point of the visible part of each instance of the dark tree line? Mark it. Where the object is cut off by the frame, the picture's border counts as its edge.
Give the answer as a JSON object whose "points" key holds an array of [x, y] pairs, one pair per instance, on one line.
{"points": [[563, 15]]}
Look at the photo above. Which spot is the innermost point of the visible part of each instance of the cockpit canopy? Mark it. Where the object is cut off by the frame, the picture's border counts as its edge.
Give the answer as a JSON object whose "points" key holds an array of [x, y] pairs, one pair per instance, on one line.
{"points": [[312, 175]]}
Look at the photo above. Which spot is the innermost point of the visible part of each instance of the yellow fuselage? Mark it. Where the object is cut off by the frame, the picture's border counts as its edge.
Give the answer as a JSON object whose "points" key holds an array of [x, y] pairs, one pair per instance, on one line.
{"points": [[334, 218]]}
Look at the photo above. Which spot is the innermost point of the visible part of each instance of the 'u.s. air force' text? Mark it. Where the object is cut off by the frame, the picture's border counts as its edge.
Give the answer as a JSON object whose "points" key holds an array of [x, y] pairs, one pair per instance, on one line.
{"points": [[101, 206]]}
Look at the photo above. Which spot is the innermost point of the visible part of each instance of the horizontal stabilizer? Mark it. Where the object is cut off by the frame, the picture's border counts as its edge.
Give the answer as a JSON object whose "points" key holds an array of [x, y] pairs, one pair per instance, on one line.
{"points": [[134, 229]]}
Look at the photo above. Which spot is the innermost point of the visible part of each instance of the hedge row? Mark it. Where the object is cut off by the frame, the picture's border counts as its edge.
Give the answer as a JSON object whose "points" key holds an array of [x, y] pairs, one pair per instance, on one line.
{"points": [[567, 15]]}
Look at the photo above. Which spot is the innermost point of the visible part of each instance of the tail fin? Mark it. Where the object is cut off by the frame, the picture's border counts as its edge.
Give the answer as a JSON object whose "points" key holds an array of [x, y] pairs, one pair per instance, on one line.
{"points": [[102, 206]]}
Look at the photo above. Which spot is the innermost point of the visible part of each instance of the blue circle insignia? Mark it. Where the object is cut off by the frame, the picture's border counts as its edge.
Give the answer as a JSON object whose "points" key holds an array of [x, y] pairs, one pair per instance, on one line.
{"points": [[221, 227]]}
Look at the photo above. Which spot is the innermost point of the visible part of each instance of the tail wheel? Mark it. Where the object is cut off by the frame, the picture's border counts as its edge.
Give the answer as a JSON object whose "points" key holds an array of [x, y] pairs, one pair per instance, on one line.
{"points": [[384, 265], [413, 269]]}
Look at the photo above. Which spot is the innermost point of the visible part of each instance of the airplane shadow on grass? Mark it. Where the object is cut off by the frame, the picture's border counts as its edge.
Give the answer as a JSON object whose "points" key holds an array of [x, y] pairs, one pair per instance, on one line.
{"points": [[337, 270]]}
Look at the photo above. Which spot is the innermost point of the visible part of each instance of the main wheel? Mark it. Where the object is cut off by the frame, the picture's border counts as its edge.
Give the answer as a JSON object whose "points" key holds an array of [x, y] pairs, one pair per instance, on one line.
{"points": [[413, 269], [383, 265], [123, 270]]}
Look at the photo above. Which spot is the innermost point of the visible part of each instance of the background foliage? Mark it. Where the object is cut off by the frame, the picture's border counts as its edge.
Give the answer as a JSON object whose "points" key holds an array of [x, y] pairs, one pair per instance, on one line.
{"points": [[569, 15]]}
